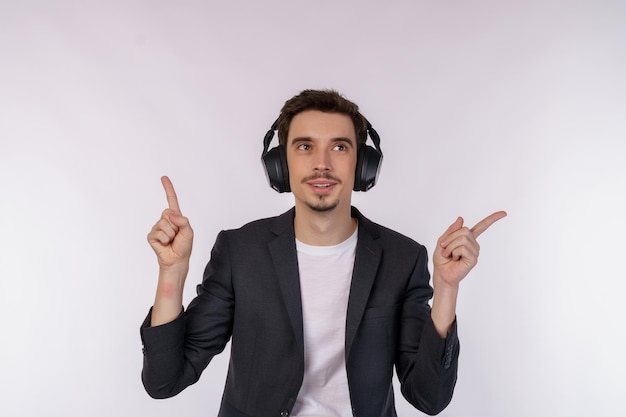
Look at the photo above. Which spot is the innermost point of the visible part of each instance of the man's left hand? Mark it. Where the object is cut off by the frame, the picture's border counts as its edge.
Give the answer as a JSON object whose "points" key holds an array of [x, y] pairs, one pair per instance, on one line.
{"points": [[457, 250]]}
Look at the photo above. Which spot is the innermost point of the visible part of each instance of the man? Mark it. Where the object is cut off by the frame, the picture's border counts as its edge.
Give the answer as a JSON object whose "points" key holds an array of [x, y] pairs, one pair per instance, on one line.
{"points": [[320, 302]]}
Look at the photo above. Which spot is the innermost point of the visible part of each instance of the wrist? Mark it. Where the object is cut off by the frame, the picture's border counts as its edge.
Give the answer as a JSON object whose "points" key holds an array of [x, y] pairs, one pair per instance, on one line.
{"points": [[174, 271], [443, 311], [172, 280], [169, 296], [442, 285]]}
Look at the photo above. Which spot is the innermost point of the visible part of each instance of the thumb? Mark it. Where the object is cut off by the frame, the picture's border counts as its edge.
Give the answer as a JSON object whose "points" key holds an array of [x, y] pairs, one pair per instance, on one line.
{"points": [[458, 223], [179, 220]]}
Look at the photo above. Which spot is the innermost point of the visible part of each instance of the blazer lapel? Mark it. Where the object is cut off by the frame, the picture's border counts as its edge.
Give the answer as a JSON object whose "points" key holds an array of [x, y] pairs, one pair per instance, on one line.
{"points": [[367, 260], [284, 256]]}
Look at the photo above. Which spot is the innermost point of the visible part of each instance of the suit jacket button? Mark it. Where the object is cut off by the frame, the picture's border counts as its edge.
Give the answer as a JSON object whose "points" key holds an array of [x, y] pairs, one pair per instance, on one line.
{"points": [[284, 413]]}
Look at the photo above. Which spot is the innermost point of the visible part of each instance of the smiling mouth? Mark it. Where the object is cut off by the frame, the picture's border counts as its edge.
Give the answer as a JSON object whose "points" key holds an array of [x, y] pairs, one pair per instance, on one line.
{"points": [[321, 185]]}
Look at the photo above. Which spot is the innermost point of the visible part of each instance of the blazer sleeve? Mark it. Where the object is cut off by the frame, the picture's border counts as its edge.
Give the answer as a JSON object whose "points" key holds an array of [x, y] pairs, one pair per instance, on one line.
{"points": [[176, 353], [426, 363]]}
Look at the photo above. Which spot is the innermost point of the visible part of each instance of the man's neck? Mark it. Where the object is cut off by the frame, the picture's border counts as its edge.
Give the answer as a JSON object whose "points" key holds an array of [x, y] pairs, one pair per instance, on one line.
{"points": [[323, 228]]}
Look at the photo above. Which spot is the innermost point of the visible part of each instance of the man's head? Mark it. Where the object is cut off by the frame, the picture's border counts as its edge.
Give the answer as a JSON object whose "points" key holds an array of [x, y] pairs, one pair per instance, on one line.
{"points": [[333, 105], [327, 101]]}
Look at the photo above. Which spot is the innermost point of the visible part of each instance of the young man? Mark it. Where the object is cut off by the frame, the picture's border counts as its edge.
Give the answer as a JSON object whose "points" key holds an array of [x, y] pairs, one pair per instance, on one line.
{"points": [[320, 302]]}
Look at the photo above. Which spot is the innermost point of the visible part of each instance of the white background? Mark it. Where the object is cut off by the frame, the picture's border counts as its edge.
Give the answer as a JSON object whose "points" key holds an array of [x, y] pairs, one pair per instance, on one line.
{"points": [[481, 106]]}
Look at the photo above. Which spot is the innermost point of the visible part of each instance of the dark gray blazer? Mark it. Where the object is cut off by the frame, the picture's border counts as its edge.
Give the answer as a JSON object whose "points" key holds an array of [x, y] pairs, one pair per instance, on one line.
{"points": [[251, 292]]}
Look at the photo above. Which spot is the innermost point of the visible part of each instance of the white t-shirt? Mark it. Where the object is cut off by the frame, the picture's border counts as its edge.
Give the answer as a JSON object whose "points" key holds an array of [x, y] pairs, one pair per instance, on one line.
{"points": [[325, 277]]}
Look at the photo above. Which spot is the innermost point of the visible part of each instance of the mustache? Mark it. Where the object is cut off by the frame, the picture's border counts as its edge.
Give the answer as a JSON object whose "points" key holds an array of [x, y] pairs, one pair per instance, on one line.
{"points": [[321, 176]]}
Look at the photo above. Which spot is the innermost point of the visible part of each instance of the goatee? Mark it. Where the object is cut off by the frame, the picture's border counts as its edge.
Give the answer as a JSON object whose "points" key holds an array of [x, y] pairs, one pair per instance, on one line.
{"points": [[323, 207]]}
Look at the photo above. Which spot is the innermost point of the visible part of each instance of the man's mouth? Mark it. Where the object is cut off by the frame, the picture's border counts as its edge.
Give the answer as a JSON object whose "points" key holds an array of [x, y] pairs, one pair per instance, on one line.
{"points": [[323, 180]]}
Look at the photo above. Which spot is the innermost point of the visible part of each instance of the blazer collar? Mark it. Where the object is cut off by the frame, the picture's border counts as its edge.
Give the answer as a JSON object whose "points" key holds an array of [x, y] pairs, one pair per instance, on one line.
{"points": [[283, 224]]}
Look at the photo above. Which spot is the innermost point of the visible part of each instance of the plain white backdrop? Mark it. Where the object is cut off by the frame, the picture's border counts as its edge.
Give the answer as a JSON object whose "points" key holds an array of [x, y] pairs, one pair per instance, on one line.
{"points": [[481, 106]]}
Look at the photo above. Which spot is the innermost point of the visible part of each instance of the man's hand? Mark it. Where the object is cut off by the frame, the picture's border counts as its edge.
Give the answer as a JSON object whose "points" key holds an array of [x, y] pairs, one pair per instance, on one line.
{"points": [[456, 254], [172, 240], [171, 237], [457, 250]]}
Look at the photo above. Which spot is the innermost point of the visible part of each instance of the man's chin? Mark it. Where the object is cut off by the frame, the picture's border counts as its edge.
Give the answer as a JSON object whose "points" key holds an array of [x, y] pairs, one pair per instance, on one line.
{"points": [[323, 206]]}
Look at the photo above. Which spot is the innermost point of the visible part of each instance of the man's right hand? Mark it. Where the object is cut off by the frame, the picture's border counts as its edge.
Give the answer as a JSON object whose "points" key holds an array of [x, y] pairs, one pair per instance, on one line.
{"points": [[171, 239]]}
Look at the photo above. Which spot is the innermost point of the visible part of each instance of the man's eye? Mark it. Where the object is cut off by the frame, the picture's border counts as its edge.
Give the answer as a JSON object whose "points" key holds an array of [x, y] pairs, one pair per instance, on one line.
{"points": [[304, 147], [340, 147]]}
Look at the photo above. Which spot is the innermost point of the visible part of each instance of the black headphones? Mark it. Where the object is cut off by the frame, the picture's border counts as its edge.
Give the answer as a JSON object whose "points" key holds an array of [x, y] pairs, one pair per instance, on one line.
{"points": [[368, 162]]}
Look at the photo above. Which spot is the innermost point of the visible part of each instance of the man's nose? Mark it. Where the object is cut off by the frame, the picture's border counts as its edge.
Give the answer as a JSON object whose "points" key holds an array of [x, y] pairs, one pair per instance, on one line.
{"points": [[321, 161]]}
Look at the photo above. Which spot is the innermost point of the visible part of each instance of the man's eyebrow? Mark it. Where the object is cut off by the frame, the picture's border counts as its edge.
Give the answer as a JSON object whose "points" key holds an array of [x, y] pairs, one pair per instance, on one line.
{"points": [[302, 139], [344, 140], [306, 139]]}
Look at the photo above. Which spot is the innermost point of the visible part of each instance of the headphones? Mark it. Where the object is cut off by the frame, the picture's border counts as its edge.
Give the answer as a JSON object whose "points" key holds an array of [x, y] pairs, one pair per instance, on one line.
{"points": [[368, 162]]}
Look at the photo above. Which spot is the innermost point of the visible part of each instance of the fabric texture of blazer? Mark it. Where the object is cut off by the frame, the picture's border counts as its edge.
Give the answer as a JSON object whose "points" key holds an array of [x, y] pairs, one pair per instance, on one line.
{"points": [[250, 292]]}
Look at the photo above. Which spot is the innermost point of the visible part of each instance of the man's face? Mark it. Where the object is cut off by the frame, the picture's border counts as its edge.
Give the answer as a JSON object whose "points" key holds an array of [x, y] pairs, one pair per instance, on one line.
{"points": [[321, 156]]}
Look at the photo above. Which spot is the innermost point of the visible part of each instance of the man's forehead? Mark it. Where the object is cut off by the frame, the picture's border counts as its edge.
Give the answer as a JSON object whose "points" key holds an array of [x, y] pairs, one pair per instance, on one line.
{"points": [[314, 123]]}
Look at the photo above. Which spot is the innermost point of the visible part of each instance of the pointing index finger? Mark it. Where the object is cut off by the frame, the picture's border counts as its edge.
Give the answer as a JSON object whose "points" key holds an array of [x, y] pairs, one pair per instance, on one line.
{"points": [[172, 200], [485, 223]]}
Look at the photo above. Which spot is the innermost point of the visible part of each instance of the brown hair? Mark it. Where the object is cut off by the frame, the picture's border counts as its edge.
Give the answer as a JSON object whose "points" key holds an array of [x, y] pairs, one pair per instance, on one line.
{"points": [[328, 101]]}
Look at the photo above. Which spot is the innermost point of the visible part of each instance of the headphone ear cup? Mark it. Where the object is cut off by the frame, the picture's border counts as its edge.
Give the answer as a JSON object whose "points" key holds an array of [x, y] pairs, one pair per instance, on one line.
{"points": [[367, 168], [276, 171]]}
